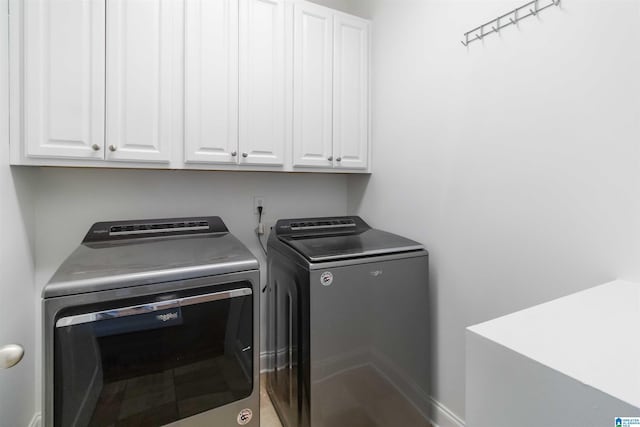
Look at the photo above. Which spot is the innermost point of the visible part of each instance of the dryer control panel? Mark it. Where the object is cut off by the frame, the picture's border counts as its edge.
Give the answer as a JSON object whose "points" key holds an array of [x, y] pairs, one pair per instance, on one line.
{"points": [[321, 226], [136, 229]]}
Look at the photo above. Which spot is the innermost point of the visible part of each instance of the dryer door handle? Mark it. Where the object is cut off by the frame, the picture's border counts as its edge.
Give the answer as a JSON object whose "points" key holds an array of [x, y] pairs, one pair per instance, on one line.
{"points": [[149, 308]]}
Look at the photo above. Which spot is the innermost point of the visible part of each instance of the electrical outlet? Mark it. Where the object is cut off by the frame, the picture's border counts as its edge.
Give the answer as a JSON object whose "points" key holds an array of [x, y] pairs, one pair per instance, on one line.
{"points": [[258, 201]]}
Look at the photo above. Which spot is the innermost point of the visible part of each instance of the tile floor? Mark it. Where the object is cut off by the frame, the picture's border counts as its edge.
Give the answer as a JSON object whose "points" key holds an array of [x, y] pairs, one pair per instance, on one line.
{"points": [[268, 416]]}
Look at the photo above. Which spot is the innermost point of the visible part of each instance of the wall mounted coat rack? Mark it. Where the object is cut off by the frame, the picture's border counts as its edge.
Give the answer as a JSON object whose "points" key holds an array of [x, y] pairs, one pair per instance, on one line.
{"points": [[511, 18]]}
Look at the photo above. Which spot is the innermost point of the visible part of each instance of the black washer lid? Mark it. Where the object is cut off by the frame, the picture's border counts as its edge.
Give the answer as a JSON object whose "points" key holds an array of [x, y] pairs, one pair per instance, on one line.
{"points": [[332, 239]]}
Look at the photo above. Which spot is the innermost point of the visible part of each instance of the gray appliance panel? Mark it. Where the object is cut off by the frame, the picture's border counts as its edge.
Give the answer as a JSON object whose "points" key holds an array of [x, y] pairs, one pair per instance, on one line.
{"points": [[225, 415], [346, 246], [121, 264], [369, 338], [286, 321]]}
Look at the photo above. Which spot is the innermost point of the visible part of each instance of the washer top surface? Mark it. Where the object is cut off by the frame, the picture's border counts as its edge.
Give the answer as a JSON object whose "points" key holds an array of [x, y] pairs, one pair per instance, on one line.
{"points": [[131, 253], [339, 238]]}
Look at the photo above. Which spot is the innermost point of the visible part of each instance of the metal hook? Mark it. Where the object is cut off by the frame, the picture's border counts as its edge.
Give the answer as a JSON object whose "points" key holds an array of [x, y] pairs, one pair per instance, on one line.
{"points": [[497, 27], [465, 43], [515, 18], [534, 11], [481, 33]]}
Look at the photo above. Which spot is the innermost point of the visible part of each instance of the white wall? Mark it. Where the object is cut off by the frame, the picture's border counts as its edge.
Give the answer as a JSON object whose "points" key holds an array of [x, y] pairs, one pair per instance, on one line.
{"points": [[17, 308], [514, 161]]}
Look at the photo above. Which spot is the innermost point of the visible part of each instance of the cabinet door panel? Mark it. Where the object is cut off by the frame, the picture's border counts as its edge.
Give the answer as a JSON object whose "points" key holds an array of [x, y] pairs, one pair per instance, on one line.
{"points": [[211, 81], [351, 92], [313, 69], [64, 78], [141, 79], [262, 84]]}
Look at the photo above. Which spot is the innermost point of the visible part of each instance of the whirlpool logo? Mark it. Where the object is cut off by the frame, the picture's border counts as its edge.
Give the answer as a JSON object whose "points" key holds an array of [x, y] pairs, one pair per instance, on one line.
{"points": [[167, 317]]}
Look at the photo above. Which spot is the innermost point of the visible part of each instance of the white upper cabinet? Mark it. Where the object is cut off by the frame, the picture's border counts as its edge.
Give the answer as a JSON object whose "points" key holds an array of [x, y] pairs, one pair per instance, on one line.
{"points": [[351, 92], [262, 82], [312, 85], [211, 81], [269, 85], [142, 64], [331, 89], [64, 78]]}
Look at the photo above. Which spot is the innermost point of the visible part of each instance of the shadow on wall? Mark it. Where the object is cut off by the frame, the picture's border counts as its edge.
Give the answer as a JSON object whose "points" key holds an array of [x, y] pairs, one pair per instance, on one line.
{"points": [[356, 187], [24, 183]]}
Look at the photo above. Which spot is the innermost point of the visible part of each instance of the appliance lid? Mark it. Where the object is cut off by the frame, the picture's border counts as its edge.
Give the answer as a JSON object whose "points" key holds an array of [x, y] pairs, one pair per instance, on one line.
{"points": [[111, 260], [328, 239]]}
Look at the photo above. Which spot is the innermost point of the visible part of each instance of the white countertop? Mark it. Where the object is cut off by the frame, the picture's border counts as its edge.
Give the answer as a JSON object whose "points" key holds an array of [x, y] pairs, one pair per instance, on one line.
{"points": [[592, 336]]}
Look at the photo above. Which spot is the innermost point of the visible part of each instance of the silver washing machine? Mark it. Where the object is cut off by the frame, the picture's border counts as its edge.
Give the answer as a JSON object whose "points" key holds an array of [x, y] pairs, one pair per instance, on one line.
{"points": [[348, 323], [152, 323]]}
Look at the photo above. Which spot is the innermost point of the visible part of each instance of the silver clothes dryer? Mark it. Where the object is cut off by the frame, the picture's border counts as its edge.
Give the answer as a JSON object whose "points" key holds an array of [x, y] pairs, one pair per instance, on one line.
{"points": [[152, 323]]}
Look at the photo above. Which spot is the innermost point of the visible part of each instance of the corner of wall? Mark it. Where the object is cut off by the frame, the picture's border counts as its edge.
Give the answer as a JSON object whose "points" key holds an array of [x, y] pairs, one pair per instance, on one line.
{"points": [[356, 187]]}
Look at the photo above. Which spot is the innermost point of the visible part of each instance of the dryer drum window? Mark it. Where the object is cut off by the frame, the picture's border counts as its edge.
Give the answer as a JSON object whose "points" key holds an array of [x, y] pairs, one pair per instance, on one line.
{"points": [[153, 363]]}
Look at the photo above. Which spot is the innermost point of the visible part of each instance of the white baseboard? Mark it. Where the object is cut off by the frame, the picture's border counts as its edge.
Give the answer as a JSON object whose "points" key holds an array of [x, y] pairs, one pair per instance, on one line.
{"points": [[36, 420], [441, 416], [264, 362]]}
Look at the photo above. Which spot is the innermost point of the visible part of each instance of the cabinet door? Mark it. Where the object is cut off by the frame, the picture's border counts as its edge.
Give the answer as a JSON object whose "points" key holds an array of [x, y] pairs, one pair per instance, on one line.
{"points": [[351, 92], [262, 82], [142, 65], [64, 78], [312, 86], [211, 81]]}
